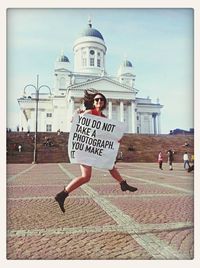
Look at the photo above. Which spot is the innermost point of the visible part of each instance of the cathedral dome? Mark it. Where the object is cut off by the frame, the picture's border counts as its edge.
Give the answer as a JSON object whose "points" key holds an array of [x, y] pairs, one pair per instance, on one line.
{"points": [[63, 58], [62, 61], [92, 32], [89, 51], [127, 63], [126, 68], [89, 31]]}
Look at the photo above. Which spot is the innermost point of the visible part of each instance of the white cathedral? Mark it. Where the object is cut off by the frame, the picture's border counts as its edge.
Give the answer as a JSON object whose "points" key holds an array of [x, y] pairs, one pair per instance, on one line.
{"points": [[54, 109]]}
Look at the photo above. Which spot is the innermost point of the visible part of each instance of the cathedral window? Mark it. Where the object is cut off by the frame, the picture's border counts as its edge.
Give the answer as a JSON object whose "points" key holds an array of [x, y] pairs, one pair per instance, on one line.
{"points": [[84, 61], [48, 128], [91, 61], [98, 62]]}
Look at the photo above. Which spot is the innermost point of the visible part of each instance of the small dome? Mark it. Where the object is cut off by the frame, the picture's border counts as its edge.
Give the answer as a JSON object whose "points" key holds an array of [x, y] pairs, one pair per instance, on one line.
{"points": [[63, 58], [127, 63], [125, 68]]}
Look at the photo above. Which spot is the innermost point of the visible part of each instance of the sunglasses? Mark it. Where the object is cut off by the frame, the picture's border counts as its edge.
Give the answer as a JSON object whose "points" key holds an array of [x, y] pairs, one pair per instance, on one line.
{"points": [[97, 99]]}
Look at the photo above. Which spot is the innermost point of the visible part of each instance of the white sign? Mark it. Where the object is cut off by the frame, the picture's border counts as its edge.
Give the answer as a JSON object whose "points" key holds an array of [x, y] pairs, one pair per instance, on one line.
{"points": [[94, 140]]}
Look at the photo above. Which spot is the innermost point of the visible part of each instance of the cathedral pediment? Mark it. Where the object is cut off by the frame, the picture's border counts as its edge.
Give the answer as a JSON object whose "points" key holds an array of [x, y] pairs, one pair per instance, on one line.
{"points": [[62, 70], [104, 84], [128, 75]]}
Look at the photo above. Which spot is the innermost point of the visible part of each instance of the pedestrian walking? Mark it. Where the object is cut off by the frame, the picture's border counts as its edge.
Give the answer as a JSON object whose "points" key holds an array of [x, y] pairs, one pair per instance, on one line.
{"points": [[160, 160], [94, 102], [170, 159], [186, 162], [191, 168], [19, 148]]}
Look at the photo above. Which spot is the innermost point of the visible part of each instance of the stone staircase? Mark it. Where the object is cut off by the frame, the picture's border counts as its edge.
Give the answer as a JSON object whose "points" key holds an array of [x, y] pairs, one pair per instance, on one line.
{"points": [[145, 148], [133, 147]]}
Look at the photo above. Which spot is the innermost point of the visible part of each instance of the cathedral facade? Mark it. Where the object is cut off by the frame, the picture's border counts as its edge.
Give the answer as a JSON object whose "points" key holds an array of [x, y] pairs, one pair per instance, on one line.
{"points": [[55, 109]]}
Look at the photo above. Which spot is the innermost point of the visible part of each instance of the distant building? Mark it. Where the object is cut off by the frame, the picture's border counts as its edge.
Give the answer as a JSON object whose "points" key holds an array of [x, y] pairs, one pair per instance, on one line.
{"points": [[55, 109], [181, 131]]}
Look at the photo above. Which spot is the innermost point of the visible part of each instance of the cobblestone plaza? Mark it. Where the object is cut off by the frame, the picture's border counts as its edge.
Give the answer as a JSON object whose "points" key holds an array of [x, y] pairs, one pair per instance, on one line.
{"points": [[101, 222]]}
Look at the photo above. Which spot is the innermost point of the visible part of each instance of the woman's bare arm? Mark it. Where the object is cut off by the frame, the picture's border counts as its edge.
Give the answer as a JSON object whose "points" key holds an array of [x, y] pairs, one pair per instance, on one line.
{"points": [[87, 112]]}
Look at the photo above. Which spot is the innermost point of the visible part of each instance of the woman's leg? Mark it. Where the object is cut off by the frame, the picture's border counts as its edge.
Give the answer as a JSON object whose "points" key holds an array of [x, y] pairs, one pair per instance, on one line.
{"points": [[115, 174], [124, 186], [161, 164], [170, 165], [188, 163], [86, 172]]}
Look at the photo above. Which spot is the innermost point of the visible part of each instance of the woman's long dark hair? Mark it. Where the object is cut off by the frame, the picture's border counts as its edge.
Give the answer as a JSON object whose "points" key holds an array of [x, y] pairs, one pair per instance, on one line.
{"points": [[89, 96]]}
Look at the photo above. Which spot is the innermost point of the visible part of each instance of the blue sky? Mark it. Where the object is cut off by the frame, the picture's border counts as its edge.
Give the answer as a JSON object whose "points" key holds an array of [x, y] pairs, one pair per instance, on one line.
{"points": [[159, 43]]}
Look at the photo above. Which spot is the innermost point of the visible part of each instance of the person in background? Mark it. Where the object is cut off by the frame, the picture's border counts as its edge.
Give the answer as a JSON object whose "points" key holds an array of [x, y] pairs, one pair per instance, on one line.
{"points": [[186, 161], [186, 144], [160, 160], [192, 159], [19, 148], [191, 168], [170, 159], [95, 103]]}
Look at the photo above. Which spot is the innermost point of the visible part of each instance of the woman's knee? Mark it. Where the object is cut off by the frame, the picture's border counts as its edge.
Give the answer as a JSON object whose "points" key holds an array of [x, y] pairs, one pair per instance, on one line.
{"points": [[86, 178], [112, 170]]}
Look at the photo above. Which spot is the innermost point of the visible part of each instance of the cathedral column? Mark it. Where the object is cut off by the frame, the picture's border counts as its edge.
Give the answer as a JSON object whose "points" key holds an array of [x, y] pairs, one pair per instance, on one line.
{"points": [[23, 120], [72, 105], [158, 121], [121, 111], [154, 122], [133, 117], [109, 109], [150, 123], [20, 119]]}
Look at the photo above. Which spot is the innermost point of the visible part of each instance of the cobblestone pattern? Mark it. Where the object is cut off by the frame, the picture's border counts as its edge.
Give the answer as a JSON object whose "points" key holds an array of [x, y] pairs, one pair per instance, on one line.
{"points": [[30, 214], [15, 169], [158, 210], [182, 240], [38, 190], [100, 222], [113, 245]]}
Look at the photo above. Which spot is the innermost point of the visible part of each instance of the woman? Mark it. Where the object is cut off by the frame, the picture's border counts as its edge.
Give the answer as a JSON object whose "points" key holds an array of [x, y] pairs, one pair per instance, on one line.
{"points": [[170, 159], [160, 160], [94, 102]]}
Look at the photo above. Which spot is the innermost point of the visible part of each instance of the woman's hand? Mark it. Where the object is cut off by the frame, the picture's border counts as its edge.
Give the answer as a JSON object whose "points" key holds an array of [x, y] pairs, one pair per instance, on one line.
{"points": [[79, 111]]}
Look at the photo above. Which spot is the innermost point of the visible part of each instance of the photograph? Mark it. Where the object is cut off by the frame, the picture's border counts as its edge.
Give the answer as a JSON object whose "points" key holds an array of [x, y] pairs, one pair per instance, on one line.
{"points": [[100, 133]]}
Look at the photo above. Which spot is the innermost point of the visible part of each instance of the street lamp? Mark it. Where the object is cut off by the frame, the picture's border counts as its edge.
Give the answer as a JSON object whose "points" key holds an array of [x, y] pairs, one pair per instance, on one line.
{"points": [[37, 90]]}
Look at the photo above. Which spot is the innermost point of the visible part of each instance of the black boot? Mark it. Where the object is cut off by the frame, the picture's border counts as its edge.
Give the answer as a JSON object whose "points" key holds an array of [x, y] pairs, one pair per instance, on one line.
{"points": [[60, 198], [125, 187]]}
